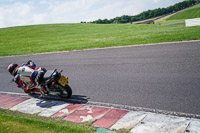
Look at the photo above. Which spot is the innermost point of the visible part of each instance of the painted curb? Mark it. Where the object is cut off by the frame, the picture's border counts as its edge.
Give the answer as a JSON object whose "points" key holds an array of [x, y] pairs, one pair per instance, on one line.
{"points": [[102, 117]]}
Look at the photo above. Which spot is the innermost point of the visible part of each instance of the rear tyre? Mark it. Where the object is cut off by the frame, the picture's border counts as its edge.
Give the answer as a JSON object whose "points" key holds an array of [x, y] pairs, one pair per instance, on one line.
{"points": [[67, 92]]}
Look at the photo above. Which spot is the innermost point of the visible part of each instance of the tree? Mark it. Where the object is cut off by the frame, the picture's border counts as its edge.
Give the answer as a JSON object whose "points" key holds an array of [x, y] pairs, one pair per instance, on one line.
{"points": [[150, 13]]}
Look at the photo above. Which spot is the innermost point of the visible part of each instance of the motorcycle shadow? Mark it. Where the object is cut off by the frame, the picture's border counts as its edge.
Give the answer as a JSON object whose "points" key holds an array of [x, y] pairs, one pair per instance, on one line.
{"points": [[75, 99], [79, 99]]}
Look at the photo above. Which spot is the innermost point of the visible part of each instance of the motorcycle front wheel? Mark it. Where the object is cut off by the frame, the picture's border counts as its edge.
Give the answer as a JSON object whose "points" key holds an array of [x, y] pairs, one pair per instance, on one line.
{"points": [[66, 92]]}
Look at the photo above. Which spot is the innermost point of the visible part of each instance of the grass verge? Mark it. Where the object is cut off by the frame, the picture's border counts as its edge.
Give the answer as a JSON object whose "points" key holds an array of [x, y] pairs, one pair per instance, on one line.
{"points": [[16, 122], [61, 37], [189, 13]]}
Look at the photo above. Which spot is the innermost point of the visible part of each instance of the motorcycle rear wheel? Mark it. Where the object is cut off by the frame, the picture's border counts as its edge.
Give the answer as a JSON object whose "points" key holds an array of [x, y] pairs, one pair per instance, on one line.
{"points": [[67, 92]]}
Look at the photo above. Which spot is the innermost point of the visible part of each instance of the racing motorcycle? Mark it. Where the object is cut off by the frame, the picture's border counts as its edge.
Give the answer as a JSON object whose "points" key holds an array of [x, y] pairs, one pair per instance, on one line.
{"points": [[54, 82]]}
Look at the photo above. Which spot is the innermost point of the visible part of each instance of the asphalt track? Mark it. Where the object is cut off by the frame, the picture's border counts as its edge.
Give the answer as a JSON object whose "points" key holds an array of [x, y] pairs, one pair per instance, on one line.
{"points": [[158, 76]]}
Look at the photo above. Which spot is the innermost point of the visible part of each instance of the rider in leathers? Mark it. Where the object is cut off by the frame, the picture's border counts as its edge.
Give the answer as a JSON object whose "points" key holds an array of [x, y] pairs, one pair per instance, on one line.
{"points": [[26, 77]]}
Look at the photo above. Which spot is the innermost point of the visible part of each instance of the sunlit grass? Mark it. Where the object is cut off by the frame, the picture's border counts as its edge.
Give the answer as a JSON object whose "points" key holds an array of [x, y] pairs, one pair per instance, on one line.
{"points": [[15, 122], [193, 12], [188, 13], [60, 37]]}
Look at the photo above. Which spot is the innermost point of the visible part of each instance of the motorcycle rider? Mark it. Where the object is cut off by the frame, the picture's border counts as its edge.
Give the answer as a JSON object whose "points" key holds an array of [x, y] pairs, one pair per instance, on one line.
{"points": [[26, 77]]}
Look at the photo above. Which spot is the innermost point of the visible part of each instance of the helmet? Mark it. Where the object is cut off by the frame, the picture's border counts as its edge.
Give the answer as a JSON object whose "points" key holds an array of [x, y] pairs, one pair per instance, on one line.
{"points": [[12, 68]]}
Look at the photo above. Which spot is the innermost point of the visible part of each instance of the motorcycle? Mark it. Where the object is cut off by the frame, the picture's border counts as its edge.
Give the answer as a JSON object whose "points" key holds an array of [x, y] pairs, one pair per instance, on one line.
{"points": [[54, 81]]}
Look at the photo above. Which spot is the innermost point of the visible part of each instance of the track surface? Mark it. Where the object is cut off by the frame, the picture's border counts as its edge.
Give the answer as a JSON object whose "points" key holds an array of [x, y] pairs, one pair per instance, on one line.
{"points": [[163, 76]]}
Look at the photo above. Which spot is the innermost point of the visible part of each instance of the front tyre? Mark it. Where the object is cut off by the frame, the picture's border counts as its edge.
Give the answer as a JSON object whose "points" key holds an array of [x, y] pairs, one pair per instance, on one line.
{"points": [[66, 92]]}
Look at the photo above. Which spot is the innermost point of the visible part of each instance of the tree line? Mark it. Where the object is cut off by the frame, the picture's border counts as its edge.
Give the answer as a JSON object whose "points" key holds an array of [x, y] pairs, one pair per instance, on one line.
{"points": [[148, 14]]}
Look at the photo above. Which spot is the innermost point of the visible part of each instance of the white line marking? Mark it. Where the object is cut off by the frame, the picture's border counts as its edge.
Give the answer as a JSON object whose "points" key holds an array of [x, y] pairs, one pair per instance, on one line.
{"points": [[55, 108], [194, 126], [130, 120], [159, 123], [33, 106]]}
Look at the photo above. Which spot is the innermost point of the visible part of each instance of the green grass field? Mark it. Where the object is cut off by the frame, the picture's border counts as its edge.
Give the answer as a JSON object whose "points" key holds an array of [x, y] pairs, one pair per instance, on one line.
{"points": [[60, 37], [189, 13], [15, 122]]}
